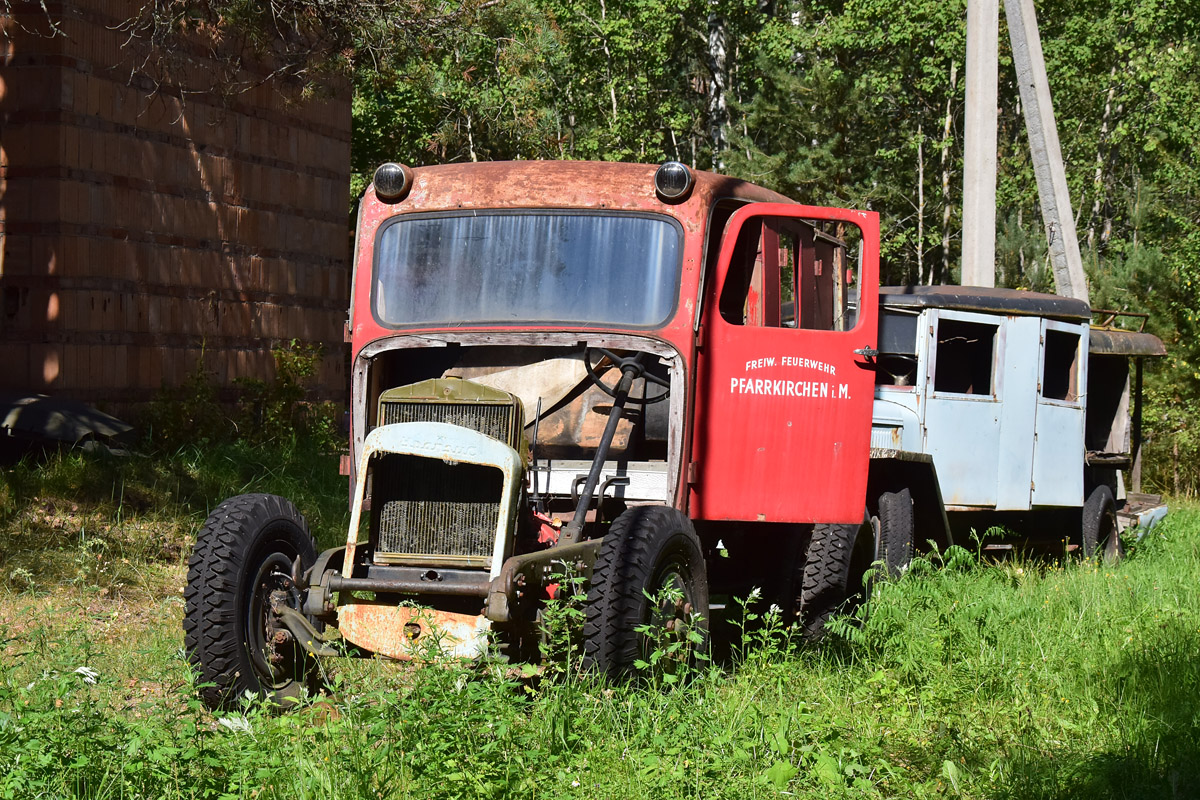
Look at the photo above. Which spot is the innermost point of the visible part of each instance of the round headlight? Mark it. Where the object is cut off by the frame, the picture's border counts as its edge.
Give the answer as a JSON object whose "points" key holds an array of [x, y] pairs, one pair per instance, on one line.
{"points": [[673, 182], [392, 181]]}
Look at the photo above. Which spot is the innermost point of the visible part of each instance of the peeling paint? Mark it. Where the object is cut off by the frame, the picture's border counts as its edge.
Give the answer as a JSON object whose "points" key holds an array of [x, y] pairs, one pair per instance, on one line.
{"points": [[407, 632]]}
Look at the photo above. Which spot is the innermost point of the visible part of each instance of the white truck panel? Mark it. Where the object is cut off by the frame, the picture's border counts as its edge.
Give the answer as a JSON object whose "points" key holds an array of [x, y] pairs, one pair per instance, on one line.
{"points": [[1059, 429], [1018, 410], [962, 430]]}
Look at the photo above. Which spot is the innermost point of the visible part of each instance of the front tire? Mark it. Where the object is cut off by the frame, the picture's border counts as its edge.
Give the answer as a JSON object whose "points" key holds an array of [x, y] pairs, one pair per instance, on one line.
{"points": [[647, 550], [241, 564]]}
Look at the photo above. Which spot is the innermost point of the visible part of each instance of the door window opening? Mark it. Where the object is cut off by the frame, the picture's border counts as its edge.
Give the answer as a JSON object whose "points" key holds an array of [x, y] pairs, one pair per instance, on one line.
{"points": [[966, 353], [788, 273], [1060, 366]]}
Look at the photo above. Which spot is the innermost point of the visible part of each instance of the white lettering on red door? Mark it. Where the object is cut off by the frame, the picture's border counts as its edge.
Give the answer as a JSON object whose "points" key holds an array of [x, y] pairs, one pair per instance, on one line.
{"points": [[791, 361], [785, 388], [772, 387]]}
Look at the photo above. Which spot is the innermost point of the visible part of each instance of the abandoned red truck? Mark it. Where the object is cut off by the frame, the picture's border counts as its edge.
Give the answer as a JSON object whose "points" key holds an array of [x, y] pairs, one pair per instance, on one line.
{"points": [[649, 377]]}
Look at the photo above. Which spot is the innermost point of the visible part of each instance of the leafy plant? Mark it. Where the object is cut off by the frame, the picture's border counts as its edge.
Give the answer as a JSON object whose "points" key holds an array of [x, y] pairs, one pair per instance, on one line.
{"points": [[276, 410], [190, 413]]}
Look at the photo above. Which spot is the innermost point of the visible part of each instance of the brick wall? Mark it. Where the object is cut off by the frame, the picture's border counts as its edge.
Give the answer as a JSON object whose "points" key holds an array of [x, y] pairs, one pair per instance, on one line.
{"points": [[139, 229]]}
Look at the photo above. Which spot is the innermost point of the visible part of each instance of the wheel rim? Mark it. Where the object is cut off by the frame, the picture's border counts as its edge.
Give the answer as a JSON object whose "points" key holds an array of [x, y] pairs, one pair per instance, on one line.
{"points": [[271, 646], [670, 607], [1110, 538]]}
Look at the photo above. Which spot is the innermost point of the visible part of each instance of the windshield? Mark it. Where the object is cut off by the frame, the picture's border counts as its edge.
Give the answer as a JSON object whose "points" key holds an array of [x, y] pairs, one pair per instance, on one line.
{"points": [[528, 266]]}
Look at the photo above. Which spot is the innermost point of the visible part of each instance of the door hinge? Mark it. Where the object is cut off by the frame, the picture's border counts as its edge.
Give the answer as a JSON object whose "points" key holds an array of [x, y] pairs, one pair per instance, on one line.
{"points": [[693, 473]]}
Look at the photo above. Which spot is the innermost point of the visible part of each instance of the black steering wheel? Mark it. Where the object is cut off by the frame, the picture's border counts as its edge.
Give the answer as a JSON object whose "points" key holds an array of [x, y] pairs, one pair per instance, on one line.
{"points": [[623, 363]]}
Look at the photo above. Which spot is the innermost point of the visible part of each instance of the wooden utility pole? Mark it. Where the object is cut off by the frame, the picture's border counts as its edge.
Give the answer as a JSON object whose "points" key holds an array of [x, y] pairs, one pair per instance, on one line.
{"points": [[979, 157], [979, 147], [1044, 148]]}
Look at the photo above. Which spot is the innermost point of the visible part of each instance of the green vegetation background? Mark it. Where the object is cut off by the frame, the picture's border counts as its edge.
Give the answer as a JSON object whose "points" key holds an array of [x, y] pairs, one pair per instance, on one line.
{"points": [[979, 680]]}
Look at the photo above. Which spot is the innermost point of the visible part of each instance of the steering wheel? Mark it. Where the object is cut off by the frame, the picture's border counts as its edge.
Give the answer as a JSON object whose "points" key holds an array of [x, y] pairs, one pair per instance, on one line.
{"points": [[622, 363], [899, 378]]}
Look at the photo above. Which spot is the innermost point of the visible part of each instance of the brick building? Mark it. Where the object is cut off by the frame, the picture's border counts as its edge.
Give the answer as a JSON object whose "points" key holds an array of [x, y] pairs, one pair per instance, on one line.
{"points": [[142, 224]]}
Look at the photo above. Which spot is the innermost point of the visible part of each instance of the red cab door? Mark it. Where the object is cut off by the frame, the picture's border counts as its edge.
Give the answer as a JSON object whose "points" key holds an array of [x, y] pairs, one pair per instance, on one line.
{"points": [[783, 400]]}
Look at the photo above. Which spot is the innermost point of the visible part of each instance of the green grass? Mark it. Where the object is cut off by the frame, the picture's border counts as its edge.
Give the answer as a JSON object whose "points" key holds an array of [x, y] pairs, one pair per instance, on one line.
{"points": [[99, 520], [1019, 679]]}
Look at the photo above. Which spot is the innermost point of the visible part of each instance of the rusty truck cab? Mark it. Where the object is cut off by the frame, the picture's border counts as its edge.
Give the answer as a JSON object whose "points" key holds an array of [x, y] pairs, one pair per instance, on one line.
{"points": [[618, 373], [524, 278]]}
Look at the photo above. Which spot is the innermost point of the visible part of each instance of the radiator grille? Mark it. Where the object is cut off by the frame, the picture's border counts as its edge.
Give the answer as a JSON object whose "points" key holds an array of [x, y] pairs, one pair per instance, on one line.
{"points": [[427, 511], [494, 420], [886, 437], [438, 512]]}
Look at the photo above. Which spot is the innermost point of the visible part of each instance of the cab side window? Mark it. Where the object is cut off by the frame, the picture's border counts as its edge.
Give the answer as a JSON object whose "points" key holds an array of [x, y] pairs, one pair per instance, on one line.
{"points": [[786, 273], [1060, 366], [966, 354]]}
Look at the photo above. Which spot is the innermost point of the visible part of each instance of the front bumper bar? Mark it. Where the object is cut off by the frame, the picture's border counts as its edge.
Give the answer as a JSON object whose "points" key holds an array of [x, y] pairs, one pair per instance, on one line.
{"points": [[519, 575]]}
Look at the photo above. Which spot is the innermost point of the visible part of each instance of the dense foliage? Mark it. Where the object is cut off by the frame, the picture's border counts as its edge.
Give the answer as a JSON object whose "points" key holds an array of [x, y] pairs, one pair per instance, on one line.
{"points": [[854, 103]]}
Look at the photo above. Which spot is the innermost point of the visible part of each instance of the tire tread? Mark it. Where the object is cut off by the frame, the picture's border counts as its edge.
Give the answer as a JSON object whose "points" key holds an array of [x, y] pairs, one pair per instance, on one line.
{"points": [[826, 576], [626, 561], [212, 639]]}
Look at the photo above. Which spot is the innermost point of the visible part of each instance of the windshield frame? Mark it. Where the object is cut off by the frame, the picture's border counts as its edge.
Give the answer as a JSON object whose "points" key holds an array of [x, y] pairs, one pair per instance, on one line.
{"points": [[673, 289]]}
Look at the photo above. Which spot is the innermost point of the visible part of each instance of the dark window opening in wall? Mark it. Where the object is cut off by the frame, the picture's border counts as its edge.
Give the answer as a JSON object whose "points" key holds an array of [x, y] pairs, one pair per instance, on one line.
{"points": [[965, 355], [1060, 372]]}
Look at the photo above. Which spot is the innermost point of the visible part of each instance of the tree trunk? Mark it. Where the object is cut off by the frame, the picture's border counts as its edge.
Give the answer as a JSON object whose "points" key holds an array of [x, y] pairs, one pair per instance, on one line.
{"points": [[920, 201], [1021, 248], [718, 107], [947, 209], [1175, 464], [612, 85], [1099, 193]]}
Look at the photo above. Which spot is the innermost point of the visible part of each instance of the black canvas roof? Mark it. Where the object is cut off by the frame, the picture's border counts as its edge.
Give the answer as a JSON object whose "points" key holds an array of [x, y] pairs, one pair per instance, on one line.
{"points": [[985, 300]]}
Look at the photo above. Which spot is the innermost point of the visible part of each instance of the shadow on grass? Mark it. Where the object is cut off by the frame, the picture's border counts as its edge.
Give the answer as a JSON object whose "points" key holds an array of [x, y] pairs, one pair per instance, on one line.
{"points": [[1157, 692], [64, 515]]}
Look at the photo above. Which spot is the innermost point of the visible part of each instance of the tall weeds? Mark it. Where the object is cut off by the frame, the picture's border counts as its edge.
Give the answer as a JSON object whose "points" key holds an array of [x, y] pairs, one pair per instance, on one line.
{"points": [[1018, 679]]}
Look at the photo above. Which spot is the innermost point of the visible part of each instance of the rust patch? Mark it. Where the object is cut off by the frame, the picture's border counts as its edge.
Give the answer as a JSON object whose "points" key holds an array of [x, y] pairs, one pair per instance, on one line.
{"points": [[405, 632], [581, 422]]}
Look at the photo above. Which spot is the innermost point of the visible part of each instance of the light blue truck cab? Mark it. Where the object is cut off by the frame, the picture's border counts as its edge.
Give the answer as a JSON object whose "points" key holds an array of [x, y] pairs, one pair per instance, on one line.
{"points": [[998, 407]]}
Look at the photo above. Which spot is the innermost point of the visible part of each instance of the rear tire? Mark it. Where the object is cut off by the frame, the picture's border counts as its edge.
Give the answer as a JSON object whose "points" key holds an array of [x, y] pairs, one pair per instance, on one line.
{"points": [[647, 549], [242, 561], [837, 559], [1100, 537], [894, 537]]}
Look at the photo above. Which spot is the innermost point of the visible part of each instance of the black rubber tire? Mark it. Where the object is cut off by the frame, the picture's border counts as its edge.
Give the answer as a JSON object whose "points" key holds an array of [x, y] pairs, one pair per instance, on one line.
{"points": [[894, 533], [1100, 537], [837, 559], [239, 558], [645, 548]]}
